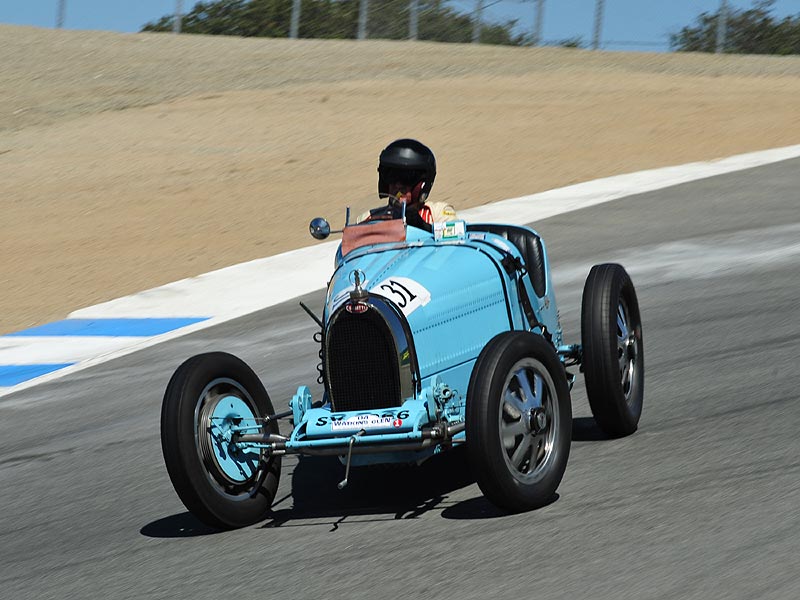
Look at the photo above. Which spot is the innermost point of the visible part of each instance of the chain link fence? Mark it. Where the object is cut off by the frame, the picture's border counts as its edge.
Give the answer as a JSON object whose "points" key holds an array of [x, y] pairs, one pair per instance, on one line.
{"points": [[514, 22]]}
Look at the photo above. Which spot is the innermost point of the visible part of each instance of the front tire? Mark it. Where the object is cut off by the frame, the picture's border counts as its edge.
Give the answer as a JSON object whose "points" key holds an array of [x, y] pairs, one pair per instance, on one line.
{"points": [[518, 421], [219, 482], [613, 351]]}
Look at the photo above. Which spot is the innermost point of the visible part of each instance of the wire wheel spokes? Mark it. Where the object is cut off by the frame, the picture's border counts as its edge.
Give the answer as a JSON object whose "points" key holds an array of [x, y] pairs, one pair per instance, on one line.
{"points": [[627, 348], [526, 418]]}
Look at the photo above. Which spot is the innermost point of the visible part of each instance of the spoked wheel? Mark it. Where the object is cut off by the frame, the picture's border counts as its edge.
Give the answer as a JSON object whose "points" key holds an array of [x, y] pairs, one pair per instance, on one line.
{"points": [[519, 420], [613, 352], [211, 398]]}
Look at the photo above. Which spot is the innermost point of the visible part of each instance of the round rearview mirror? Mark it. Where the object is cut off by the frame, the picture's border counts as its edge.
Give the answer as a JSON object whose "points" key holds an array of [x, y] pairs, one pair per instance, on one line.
{"points": [[319, 228]]}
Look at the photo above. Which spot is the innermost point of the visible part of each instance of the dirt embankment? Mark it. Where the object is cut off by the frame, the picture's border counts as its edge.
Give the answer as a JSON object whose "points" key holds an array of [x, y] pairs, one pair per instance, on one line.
{"points": [[128, 161]]}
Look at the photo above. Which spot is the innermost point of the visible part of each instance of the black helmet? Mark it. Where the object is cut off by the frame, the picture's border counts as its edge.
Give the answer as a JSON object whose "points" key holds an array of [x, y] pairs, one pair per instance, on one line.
{"points": [[410, 162]]}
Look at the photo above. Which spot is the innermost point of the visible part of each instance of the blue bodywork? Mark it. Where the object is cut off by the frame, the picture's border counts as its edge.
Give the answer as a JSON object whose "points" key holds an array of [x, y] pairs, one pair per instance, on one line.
{"points": [[444, 297]]}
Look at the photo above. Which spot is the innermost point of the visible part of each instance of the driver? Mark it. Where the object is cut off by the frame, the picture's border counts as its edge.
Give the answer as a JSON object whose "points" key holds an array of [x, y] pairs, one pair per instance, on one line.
{"points": [[406, 170]]}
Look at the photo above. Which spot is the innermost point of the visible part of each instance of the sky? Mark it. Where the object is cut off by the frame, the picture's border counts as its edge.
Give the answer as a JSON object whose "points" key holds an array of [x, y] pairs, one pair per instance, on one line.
{"points": [[647, 23]]}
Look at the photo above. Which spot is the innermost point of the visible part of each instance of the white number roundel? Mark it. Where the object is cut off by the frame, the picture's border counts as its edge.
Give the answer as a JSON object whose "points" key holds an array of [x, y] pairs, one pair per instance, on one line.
{"points": [[406, 293]]}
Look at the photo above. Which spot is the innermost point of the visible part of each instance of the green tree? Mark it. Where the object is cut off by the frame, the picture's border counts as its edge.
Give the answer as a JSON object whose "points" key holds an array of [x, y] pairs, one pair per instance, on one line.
{"points": [[338, 19], [751, 31]]}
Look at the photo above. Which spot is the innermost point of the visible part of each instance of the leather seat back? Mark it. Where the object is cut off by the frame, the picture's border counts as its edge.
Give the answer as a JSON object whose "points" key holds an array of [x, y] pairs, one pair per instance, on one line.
{"points": [[529, 245]]}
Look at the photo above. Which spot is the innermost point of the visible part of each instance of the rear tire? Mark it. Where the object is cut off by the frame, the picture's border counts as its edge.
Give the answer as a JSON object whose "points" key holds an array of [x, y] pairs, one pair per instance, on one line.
{"points": [[613, 351], [518, 421], [215, 480]]}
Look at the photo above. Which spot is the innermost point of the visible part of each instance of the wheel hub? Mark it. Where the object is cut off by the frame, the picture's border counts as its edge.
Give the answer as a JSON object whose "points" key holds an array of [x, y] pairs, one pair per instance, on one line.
{"points": [[537, 420], [631, 346], [219, 422]]}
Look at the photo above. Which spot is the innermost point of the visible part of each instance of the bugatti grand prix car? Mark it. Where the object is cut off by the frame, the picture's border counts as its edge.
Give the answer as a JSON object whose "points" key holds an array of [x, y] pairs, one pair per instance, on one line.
{"points": [[428, 340]]}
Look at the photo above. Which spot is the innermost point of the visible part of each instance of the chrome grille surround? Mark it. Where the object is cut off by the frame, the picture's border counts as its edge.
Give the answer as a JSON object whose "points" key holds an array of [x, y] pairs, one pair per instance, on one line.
{"points": [[369, 357]]}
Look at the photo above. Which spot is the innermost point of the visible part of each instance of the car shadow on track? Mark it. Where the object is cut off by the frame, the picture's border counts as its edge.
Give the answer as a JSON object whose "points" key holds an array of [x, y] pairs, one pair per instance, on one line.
{"points": [[181, 525], [372, 494], [585, 429]]}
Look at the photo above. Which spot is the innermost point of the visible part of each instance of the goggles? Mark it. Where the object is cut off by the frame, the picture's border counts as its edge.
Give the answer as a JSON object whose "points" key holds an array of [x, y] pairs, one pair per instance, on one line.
{"points": [[402, 176]]}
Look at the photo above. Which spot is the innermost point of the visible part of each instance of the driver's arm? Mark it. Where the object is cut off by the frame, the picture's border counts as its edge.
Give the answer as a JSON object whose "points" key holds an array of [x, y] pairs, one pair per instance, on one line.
{"points": [[442, 211]]}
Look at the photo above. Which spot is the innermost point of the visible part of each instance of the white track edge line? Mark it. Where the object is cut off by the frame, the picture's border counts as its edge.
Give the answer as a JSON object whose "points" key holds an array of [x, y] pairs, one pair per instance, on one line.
{"points": [[526, 209]]}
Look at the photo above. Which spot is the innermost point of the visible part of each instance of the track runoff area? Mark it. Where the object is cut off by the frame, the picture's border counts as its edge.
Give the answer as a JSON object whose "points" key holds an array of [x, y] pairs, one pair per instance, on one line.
{"points": [[97, 334]]}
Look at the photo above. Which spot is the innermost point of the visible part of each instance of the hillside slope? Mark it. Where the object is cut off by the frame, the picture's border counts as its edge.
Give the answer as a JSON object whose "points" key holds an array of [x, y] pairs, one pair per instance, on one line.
{"points": [[131, 160]]}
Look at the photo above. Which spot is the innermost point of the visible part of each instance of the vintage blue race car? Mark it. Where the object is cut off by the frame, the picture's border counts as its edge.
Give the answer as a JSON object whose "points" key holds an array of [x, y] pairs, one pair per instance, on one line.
{"points": [[429, 339]]}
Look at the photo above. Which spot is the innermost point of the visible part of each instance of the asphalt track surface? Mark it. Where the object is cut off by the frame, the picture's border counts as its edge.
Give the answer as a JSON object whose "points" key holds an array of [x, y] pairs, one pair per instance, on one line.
{"points": [[702, 502]]}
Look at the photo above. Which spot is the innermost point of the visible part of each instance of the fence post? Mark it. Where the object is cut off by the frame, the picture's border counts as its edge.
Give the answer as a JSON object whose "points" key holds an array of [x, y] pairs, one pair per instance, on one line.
{"points": [[294, 26], [598, 23], [476, 22], [537, 27], [177, 21], [363, 9], [722, 26], [61, 12], [413, 19]]}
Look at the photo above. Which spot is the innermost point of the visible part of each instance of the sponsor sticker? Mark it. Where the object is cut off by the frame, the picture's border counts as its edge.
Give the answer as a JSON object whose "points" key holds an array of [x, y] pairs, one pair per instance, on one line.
{"points": [[449, 230], [366, 422], [392, 415]]}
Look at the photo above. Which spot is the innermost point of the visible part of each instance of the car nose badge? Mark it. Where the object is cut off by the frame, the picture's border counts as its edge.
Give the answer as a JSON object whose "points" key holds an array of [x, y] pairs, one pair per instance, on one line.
{"points": [[358, 296]]}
